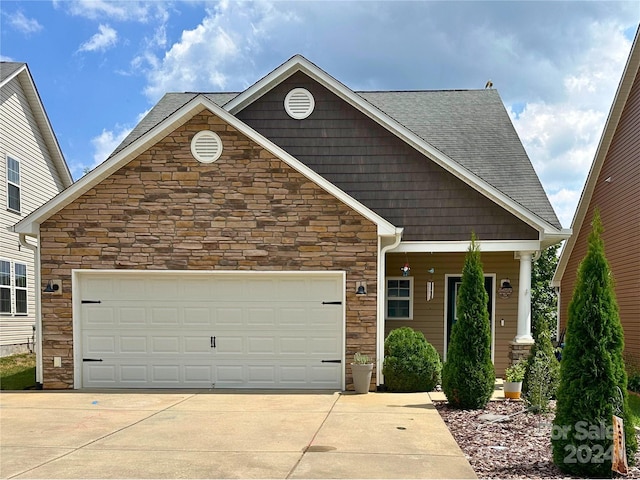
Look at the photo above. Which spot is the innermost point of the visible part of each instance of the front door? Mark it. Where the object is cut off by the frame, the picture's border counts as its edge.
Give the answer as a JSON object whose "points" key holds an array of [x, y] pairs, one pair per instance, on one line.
{"points": [[453, 286]]}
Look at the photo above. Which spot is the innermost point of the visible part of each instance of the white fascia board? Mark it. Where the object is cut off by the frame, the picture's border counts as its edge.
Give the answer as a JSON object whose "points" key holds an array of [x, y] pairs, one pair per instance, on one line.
{"points": [[463, 246], [299, 63], [30, 224]]}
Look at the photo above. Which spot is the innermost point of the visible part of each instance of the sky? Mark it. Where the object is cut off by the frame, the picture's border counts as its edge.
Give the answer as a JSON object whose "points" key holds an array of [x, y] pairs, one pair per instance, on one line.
{"points": [[99, 66]]}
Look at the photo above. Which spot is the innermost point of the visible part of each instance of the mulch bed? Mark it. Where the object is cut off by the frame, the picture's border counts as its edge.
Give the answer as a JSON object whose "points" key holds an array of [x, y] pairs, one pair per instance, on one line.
{"points": [[518, 448]]}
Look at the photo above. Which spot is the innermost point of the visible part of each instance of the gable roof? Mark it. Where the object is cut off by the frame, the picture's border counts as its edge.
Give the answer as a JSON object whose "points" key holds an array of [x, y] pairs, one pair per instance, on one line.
{"points": [[198, 103], [467, 132], [620, 100], [19, 70]]}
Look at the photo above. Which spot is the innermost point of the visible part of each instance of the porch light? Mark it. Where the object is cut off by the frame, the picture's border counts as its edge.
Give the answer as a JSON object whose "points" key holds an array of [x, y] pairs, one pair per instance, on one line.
{"points": [[51, 287], [505, 289], [361, 288]]}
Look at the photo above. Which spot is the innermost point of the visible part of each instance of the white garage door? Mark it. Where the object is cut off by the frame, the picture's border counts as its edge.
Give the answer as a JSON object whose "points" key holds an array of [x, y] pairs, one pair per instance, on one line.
{"points": [[203, 329]]}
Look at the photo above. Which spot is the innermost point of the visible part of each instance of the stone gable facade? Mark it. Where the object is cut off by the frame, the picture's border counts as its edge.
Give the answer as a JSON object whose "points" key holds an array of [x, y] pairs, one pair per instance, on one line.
{"points": [[166, 211]]}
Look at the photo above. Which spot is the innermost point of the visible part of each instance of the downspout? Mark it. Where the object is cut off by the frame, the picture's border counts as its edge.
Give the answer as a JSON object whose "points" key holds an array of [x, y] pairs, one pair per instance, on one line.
{"points": [[38, 299], [382, 268]]}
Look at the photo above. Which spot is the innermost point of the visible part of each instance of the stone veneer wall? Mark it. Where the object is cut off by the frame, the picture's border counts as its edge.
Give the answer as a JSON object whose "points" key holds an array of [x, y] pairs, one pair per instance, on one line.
{"points": [[166, 211]]}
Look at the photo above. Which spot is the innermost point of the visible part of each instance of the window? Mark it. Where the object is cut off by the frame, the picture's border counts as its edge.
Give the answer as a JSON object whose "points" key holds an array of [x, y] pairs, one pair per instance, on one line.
{"points": [[399, 298], [13, 184], [16, 289], [5, 286], [20, 276]]}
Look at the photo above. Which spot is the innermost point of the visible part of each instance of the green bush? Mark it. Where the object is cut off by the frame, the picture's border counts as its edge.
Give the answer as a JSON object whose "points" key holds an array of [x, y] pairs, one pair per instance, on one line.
{"points": [[634, 382], [593, 381], [411, 364], [468, 376]]}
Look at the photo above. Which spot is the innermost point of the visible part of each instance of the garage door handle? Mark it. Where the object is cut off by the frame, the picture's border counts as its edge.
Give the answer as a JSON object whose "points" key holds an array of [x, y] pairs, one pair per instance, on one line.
{"points": [[331, 361], [91, 359], [213, 342], [332, 303]]}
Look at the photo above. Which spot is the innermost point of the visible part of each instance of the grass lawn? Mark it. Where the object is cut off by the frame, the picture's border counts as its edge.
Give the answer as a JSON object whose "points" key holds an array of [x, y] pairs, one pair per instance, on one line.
{"points": [[18, 372]]}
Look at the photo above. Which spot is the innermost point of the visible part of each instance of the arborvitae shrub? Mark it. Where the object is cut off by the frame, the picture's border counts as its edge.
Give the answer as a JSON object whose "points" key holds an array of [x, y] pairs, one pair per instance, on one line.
{"points": [[411, 364], [543, 370], [593, 381], [468, 376]]}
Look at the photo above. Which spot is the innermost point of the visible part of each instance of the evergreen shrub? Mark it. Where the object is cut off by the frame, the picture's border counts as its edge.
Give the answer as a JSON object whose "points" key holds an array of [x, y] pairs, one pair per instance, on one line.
{"points": [[468, 375], [411, 364], [593, 380]]}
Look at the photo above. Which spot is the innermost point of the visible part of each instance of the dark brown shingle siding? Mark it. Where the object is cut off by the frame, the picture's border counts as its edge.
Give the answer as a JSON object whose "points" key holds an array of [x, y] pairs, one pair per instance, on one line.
{"points": [[380, 170]]}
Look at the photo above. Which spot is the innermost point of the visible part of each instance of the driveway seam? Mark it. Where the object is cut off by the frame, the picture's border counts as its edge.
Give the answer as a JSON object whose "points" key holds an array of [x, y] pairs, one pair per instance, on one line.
{"points": [[304, 452], [75, 449]]}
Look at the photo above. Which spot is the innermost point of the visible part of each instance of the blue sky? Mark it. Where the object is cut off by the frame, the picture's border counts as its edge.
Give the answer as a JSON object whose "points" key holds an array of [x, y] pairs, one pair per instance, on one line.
{"points": [[100, 66]]}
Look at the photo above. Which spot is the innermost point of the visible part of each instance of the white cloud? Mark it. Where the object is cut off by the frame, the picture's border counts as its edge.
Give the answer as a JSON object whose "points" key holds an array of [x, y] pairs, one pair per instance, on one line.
{"points": [[106, 38], [23, 24], [105, 143], [561, 135], [217, 52], [101, 9], [4, 58]]}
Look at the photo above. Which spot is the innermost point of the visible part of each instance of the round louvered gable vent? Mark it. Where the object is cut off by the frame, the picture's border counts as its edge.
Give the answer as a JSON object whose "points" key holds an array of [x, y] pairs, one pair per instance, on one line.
{"points": [[206, 146], [299, 103]]}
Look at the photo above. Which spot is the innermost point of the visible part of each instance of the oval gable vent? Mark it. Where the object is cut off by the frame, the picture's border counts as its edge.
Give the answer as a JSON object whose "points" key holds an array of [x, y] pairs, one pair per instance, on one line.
{"points": [[299, 103], [206, 146]]}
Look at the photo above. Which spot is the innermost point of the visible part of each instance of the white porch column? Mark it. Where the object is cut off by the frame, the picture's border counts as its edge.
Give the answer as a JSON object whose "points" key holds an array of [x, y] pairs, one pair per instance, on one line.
{"points": [[523, 334]]}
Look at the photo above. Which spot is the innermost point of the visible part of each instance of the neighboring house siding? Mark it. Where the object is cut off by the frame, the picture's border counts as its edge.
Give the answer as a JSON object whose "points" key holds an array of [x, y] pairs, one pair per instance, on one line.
{"points": [[428, 316], [619, 204], [364, 159], [21, 139], [166, 211]]}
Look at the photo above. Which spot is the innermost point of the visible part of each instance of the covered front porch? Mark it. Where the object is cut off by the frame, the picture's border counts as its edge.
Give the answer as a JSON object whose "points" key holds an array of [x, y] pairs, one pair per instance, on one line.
{"points": [[424, 297]]}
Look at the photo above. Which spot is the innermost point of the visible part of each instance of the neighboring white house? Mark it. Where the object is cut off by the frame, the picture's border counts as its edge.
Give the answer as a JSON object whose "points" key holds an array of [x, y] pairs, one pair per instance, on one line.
{"points": [[32, 171]]}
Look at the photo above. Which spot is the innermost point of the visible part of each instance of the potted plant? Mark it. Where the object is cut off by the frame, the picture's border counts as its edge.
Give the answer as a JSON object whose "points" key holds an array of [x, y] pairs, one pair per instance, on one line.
{"points": [[361, 369], [513, 377]]}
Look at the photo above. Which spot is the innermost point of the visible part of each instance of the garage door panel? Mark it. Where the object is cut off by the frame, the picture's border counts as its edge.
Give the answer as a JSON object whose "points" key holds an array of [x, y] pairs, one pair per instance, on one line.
{"points": [[197, 344], [228, 316], [197, 316], [270, 332], [99, 317], [165, 315], [136, 374], [164, 345], [133, 344], [132, 316], [100, 375]]}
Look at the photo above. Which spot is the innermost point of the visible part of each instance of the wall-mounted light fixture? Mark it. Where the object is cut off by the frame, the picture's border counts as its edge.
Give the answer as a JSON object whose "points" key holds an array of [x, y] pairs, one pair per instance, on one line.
{"points": [[53, 286], [361, 288], [505, 289]]}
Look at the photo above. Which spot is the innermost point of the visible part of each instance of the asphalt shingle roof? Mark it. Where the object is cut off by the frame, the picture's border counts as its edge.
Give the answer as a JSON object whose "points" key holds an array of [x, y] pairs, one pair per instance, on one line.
{"points": [[9, 68]]}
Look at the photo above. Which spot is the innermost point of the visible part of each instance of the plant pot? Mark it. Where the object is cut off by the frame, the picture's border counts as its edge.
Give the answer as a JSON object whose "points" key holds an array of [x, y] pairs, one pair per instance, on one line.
{"points": [[512, 389], [361, 376]]}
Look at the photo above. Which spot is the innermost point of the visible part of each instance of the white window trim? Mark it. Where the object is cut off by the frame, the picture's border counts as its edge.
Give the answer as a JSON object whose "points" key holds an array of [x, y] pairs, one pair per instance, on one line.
{"points": [[17, 185], [12, 287], [16, 288], [8, 287], [386, 298]]}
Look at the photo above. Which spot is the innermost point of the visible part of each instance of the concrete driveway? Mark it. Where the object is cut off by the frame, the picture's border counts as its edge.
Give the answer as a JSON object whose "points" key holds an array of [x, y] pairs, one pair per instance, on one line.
{"points": [[187, 434]]}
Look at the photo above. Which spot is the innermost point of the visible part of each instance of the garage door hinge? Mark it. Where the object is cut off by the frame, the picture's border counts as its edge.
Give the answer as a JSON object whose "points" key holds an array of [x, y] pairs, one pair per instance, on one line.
{"points": [[91, 301], [332, 303]]}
